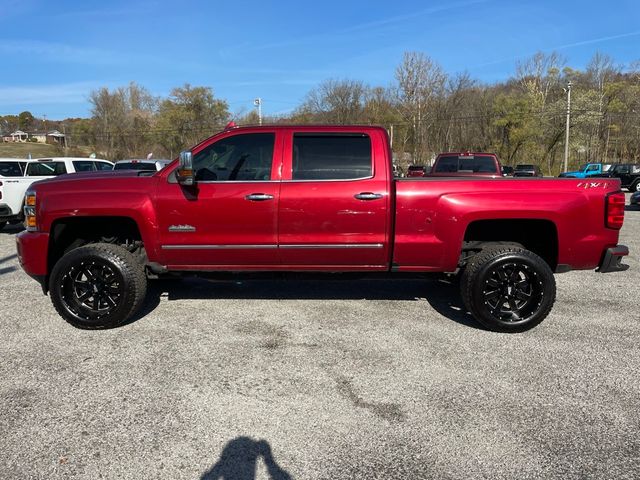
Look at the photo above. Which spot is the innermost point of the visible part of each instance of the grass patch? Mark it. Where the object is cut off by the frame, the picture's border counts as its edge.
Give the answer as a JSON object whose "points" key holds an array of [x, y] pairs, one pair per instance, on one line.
{"points": [[22, 150]]}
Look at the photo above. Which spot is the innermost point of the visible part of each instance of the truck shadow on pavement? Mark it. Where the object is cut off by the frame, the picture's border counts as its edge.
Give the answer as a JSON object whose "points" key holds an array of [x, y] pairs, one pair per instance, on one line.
{"points": [[441, 295], [12, 229], [239, 460], [10, 268]]}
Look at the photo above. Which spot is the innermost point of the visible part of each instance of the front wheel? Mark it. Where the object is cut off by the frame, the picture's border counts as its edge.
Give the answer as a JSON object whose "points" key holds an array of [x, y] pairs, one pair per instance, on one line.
{"points": [[97, 286], [508, 289]]}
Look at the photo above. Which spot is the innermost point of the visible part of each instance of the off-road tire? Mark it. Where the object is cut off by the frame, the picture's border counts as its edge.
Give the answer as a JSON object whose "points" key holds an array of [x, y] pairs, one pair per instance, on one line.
{"points": [[2, 225], [109, 271], [508, 289]]}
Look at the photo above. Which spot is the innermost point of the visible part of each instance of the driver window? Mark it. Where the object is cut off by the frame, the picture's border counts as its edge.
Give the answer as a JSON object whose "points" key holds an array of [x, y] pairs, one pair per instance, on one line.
{"points": [[244, 157]]}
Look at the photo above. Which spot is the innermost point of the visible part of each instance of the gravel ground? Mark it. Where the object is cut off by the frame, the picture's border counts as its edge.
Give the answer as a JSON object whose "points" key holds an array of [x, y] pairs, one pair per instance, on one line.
{"points": [[306, 380]]}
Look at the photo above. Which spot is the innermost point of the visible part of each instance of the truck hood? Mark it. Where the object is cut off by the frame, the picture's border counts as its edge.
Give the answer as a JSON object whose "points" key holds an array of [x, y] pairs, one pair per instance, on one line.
{"points": [[99, 175], [108, 181]]}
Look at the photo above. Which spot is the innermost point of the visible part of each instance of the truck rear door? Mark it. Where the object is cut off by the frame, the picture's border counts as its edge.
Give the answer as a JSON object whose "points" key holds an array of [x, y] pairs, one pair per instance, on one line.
{"points": [[334, 211]]}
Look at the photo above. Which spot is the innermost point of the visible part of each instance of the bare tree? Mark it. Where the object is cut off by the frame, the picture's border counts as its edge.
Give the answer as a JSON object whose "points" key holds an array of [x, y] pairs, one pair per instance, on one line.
{"points": [[336, 101], [122, 119], [419, 81]]}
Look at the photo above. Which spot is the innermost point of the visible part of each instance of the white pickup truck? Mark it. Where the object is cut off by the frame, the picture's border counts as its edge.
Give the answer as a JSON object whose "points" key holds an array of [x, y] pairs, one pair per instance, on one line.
{"points": [[19, 174]]}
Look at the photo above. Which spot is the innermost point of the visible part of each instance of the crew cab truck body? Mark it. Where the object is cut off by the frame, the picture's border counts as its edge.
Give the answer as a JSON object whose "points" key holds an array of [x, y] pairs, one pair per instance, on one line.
{"points": [[12, 189], [313, 199]]}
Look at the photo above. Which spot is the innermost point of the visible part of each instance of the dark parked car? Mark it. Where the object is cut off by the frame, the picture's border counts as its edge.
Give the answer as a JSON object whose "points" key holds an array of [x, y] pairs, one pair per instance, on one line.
{"points": [[628, 173], [527, 171], [635, 199], [507, 171]]}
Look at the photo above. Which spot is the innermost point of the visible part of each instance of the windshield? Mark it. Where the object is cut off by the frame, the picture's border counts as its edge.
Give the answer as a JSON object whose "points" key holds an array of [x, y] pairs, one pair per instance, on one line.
{"points": [[471, 164], [135, 166], [11, 169]]}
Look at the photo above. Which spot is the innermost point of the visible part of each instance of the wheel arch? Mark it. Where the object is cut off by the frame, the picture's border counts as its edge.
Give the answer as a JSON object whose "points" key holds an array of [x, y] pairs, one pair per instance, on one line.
{"points": [[537, 235], [68, 233]]}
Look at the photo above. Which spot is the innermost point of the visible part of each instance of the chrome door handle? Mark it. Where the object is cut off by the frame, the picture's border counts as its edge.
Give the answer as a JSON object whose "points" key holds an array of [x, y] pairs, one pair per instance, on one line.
{"points": [[258, 197], [368, 196]]}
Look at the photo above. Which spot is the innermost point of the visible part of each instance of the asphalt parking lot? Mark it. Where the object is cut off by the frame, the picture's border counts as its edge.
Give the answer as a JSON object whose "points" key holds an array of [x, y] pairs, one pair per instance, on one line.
{"points": [[299, 379]]}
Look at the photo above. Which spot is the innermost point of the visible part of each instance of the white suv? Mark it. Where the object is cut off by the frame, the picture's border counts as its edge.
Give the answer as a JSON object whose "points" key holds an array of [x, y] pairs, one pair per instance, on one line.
{"points": [[13, 186]]}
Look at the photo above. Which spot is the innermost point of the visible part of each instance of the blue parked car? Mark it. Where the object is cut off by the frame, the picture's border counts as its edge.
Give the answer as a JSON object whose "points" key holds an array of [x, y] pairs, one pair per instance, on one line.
{"points": [[588, 170]]}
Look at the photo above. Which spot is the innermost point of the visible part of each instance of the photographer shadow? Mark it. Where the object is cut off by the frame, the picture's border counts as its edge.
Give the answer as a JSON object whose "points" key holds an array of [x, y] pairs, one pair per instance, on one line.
{"points": [[239, 461]]}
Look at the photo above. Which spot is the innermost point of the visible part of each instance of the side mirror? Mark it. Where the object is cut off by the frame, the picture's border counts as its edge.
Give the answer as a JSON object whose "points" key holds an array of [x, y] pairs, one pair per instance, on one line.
{"points": [[185, 169]]}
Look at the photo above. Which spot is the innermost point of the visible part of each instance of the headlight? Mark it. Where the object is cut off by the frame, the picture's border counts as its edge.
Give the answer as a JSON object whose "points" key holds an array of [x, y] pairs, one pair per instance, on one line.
{"points": [[30, 221]]}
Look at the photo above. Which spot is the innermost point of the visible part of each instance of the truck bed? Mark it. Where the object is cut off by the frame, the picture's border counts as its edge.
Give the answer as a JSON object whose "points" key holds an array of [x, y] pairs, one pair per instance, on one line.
{"points": [[434, 215]]}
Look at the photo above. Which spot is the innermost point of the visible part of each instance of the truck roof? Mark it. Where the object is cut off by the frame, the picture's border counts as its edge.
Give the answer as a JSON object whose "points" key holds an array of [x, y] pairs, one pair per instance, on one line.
{"points": [[464, 154], [284, 126]]}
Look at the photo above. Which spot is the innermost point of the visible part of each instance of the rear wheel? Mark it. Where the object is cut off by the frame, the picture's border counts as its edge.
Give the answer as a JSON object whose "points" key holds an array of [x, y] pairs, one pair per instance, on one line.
{"points": [[97, 286], [635, 187], [508, 289]]}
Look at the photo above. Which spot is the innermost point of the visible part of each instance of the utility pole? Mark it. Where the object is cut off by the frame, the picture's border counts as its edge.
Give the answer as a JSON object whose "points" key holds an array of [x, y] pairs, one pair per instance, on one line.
{"points": [[566, 139], [391, 136], [64, 138], [258, 103]]}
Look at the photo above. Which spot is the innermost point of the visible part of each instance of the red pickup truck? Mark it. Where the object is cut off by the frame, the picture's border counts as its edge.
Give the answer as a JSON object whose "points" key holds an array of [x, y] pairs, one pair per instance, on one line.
{"points": [[313, 199], [466, 163]]}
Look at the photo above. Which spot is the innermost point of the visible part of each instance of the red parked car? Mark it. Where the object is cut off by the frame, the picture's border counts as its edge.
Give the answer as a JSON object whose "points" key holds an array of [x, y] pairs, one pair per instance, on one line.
{"points": [[313, 199], [466, 163], [416, 171]]}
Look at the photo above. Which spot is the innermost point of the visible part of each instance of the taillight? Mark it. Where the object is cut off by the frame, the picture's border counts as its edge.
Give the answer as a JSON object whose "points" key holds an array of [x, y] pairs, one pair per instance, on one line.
{"points": [[614, 212]]}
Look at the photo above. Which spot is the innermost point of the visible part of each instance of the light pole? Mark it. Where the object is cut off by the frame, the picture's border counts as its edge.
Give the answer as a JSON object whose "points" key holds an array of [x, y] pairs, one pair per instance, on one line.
{"points": [[258, 103], [566, 138]]}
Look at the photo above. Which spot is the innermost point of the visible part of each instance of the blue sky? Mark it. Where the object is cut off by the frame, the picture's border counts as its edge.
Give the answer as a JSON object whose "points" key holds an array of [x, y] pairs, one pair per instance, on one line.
{"points": [[52, 54]]}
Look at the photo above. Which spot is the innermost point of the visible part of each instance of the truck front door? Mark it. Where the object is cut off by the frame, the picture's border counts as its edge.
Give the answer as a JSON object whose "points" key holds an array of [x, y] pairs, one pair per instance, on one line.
{"points": [[334, 201], [228, 219]]}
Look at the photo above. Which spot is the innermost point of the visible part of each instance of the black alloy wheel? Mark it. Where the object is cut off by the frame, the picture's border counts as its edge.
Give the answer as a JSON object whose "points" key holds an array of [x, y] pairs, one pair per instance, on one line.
{"points": [[92, 289], [512, 292], [508, 289], [97, 286]]}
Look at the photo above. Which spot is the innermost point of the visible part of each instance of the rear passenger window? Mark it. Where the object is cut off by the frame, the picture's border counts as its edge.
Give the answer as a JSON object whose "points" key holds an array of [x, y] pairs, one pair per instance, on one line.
{"points": [[83, 165], [319, 156], [46, 169], [103, 166]]}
